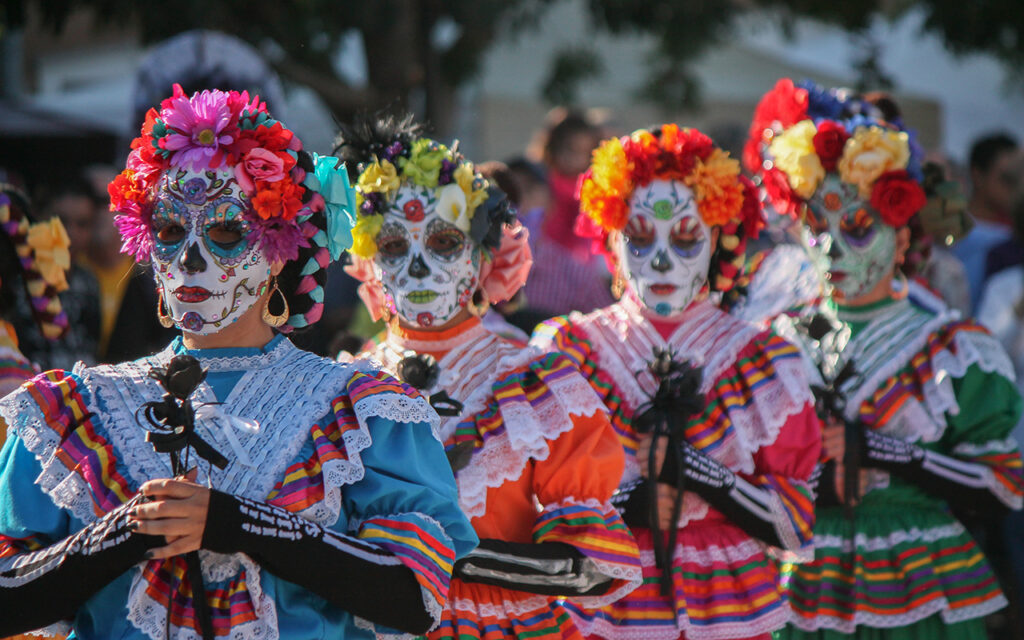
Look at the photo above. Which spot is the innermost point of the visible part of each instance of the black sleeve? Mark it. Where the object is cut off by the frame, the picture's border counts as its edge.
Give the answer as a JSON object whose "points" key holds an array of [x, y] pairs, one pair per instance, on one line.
{"points": [[749, 507], [633, 502], [42, 587], [961, 483], [548, 568], [351, 574], [825, 493]]}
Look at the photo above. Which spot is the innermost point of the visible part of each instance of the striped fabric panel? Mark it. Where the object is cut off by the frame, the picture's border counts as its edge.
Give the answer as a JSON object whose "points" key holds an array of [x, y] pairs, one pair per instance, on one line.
{"points": [[420, 544], [892, 582], [362, 385], [17, 368], [229, 601], [797, 501], [550, 621], [83, 451], [13, 546], [711, 598], [597, 532]]}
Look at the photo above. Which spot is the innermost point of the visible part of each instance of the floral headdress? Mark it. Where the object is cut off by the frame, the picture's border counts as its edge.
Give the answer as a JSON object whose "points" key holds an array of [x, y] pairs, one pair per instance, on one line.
{"points": [[725, 199], [800, 132], [285, 186], [425, 163], [218, 129], [42, 253], [387, 152]]}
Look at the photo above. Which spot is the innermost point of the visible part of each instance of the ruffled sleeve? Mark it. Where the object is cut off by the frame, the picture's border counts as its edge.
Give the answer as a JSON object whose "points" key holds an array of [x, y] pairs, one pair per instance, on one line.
{"points": [[405, 500], [574, 485], [771, 410], [979, 432]]}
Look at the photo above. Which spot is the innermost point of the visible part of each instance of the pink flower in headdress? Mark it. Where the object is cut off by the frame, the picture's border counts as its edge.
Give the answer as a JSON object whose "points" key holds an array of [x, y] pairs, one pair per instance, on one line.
{"points": [[136, 236], [279, 239], [505, 273], [202, 125]]}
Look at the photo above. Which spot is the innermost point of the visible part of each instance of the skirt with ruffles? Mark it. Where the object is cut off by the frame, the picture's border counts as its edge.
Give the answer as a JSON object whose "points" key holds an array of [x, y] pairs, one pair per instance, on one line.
{"points": [[913, 571], [492, 613], [724, 587]]}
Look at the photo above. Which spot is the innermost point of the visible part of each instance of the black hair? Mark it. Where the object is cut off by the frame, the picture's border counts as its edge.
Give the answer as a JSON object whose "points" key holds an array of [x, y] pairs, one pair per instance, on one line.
{"points": [[368, 137], [558, 136], [987, 149]]}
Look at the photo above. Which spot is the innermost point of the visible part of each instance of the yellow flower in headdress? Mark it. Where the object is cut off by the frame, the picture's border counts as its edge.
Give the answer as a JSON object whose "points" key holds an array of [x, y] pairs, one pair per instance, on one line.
{"points": [[794, 154], [379, 177], [364, 235], [465, 177], [869, 153], [50, 242], [715, 183]]}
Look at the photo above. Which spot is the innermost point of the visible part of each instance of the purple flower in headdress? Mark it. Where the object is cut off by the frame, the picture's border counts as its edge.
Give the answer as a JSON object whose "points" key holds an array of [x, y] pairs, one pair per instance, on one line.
{"points": [[447, 173], [279, 239], [371, 203], [201, 126], [393, 151]]}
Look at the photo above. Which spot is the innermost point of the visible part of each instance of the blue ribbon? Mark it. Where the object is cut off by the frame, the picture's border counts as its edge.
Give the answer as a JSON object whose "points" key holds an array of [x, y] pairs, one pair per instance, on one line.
{"points": [[340, 197]]}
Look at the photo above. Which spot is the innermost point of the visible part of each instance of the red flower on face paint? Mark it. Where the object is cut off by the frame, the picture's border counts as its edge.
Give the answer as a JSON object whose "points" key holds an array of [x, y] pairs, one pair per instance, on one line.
{"points": [[425, 319], [413, 210]]}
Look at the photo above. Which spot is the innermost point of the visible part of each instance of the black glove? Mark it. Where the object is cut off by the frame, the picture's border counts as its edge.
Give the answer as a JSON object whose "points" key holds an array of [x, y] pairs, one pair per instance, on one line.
{"points": [[961, 483], [39, 588], [749, 507], [547, 568], [354, 575]]}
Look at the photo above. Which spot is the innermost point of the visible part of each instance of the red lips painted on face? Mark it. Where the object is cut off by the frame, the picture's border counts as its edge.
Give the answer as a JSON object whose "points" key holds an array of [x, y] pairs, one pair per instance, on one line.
{"points": [[662, 289], [191, 294]]}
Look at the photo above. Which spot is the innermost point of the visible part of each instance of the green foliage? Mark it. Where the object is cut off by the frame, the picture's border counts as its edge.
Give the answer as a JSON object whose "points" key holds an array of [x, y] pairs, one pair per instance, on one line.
{"points": [[571, 67]]}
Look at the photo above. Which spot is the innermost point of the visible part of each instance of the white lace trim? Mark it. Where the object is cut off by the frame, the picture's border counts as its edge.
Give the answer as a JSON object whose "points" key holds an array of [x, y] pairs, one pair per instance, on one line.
{"points": [[503, 610], [57, 629], [975, 449], [623, 341], [150, 617], [786, 279], [891, 540], [470, 371]]}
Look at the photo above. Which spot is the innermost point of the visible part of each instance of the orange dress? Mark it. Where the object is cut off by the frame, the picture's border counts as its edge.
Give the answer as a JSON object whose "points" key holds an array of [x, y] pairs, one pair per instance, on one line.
{"points": [[545, 461]]}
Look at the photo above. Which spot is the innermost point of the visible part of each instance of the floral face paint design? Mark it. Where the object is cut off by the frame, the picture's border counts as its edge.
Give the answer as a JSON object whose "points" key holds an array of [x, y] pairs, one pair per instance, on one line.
{"points": [[206, 258], [428, 267], [849, 236], [665, 248]]}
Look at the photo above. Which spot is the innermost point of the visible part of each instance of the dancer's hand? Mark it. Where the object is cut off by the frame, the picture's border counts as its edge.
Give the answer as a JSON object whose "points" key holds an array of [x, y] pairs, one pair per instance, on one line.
{"points": [[177, 510], [643, 454], [666, 501], [834, 440]]}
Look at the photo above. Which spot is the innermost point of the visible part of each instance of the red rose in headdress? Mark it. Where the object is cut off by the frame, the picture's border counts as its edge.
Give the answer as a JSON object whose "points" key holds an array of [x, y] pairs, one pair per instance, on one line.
{"points": [[829, 142], [897, 197]]}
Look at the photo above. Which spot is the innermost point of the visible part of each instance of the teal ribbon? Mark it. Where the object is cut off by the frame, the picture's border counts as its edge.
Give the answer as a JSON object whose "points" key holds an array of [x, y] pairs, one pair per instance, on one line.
{"points": [[340, 198]]}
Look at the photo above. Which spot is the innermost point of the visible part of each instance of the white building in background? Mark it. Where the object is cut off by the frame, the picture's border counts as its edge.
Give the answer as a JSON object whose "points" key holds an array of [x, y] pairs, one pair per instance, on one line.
{"points": [[949, 100]]}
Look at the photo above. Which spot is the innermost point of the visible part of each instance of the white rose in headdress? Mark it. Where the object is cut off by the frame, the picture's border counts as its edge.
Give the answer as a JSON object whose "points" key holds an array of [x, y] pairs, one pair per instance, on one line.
{"points": [[451, 206]]}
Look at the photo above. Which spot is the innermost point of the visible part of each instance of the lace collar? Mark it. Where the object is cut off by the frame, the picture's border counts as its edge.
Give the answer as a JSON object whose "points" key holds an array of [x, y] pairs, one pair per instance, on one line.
{"points": [[234, 358]]}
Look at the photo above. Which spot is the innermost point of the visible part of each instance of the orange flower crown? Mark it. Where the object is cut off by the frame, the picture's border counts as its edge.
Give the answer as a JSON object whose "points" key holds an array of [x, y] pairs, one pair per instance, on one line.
{"points": [[619, 165]]}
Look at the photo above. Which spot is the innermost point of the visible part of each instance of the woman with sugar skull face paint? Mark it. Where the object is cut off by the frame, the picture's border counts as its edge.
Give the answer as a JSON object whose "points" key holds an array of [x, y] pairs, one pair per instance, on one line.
{"points": [[434, 245], [918, 404], [307, 472], [715, 415]]}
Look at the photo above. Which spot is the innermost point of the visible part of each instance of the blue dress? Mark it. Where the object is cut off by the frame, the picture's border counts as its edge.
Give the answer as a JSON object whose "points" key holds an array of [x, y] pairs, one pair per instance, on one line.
{"points": [[344, 447]]}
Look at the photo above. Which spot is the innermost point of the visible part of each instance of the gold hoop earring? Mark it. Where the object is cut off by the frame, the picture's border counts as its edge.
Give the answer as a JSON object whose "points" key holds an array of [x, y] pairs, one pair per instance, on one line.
{"points": [[904, 289], [618, 284], [478, 309], [268, 317], [166, 320]]}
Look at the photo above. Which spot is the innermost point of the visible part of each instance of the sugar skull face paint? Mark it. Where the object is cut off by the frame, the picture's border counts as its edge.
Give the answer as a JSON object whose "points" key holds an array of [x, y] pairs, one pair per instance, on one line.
{"points": [[850, 236], [665, 248], [206, 258], [429, 268]]}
